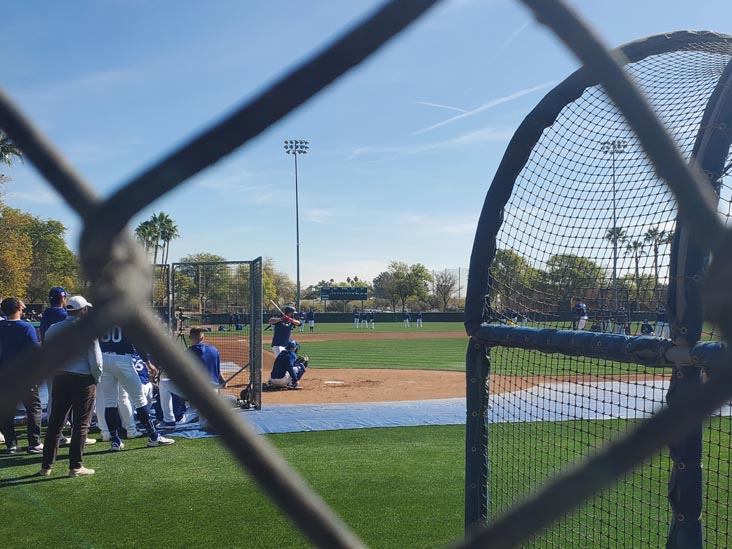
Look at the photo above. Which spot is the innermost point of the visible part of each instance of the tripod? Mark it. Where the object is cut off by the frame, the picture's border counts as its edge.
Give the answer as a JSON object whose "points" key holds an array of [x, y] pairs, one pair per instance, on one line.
{"points": [[181, 337]]}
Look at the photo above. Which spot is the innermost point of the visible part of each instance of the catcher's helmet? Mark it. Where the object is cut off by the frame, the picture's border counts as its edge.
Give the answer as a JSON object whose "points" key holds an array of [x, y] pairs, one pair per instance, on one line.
{"points": [[292, 345], [289, 310]]}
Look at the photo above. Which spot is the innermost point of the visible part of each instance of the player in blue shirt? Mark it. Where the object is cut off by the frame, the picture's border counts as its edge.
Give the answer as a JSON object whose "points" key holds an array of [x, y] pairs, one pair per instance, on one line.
{"points": [[282, 325], [56, 312], [405, 318], [118, 353], [287, 369], [311, 319], [372, 319], [16, 336], [419, 319], [580, 311], [356, 318]]}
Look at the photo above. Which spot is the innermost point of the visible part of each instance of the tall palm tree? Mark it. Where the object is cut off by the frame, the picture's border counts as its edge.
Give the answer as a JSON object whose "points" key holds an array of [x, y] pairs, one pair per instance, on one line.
{"points": [[168, 231], [636, 248], [655, 236], [9, 153], [146, 233]]}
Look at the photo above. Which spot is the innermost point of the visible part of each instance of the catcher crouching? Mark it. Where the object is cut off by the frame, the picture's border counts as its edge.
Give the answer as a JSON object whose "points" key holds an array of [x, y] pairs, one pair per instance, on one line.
{"points": [[288, 368]]}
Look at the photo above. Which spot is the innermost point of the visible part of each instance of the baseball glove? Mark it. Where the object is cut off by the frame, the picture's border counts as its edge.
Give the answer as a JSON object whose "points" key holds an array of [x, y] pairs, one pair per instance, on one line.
{"points": [[304, 360]]}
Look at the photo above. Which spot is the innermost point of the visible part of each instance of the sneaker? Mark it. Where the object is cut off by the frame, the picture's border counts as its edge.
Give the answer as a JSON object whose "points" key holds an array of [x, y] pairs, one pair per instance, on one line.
{"points": [[64, 441], [37, 449], [134, 433], [12, 449], [117, 445], [89, 442], [44, 472], [167, 426], [2, 439], [80, 472], [160, 441]]}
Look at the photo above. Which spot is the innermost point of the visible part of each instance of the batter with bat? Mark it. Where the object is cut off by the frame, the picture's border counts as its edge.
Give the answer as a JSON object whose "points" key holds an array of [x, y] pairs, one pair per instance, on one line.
{"points": [[282, 326]]}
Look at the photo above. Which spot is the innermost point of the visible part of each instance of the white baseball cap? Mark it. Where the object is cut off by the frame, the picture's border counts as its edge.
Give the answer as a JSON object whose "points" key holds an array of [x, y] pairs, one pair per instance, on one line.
{"points": [[77, 303]]}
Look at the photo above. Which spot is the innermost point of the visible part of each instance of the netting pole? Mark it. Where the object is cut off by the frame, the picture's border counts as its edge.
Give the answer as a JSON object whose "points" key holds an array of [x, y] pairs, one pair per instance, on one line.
{"points": [[477, 371], [689, 261]]}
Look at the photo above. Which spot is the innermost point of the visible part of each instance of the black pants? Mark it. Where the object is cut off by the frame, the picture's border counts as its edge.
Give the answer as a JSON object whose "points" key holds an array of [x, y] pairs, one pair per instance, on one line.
{"points": [[70, 392], [32, 404]]}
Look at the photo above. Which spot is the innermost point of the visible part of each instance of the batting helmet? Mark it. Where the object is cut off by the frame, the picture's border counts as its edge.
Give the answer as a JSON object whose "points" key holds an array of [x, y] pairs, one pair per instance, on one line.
{"points": [[292, 345], [289, 310]]}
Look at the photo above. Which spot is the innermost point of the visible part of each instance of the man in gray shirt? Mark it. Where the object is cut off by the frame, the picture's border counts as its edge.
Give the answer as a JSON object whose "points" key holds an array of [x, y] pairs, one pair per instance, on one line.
{"points": [[74, 388]]}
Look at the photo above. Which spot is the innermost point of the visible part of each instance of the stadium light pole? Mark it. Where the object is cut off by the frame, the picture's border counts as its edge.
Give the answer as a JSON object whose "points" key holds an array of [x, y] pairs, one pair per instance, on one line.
{"points": [[296, 147], [613, 148]]}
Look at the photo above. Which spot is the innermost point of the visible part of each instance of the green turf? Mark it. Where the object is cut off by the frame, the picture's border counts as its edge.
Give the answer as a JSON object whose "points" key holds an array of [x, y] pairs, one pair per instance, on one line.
{"points": [[399, 487]]}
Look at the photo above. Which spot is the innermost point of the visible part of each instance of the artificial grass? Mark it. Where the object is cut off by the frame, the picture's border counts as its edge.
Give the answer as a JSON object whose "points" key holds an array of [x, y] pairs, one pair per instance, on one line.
{"points": [[399, 487]]}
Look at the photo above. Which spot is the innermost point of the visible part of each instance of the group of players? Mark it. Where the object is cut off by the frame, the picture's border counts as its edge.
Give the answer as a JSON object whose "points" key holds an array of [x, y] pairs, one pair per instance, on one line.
{"points": [[111, 375], [619, 322]]}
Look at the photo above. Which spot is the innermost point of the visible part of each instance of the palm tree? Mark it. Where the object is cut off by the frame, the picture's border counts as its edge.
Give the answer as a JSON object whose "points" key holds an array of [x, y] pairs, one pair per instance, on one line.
{"points": [[636, 248], [168, 231], [656, 237], [146, 233], [616, 235], [9, 153]]}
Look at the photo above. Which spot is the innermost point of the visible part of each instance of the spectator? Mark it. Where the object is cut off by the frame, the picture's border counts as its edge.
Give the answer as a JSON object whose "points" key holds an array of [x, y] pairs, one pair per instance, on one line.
{"points": [[16, 336], [56, 312], [74, 388]]}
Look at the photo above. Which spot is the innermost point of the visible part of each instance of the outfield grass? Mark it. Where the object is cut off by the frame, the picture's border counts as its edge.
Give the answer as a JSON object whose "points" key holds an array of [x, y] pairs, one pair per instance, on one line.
{"points": [[398, 487]]}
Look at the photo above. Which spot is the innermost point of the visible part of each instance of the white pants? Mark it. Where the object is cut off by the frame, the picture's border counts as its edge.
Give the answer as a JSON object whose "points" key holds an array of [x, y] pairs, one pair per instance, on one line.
{"points": [[126, 413], [118, 370], [663, 330], [419, 323], [167, 389], [355, 323], [406, 323], [312, 324], [581, 323], [277, 349]]}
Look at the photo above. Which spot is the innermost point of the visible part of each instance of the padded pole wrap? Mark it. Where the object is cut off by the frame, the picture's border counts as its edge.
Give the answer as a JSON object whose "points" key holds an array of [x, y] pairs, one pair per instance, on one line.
{"points": [[477, 371]]}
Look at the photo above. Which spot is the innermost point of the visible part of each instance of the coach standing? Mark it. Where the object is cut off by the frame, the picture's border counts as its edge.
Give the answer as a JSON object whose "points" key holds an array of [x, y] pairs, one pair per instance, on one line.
{"points": [[74, 388], [15, 336]]}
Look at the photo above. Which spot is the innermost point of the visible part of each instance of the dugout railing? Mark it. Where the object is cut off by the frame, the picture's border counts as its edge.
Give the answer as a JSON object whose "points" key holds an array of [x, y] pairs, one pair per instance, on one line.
{"points": [[117, 267]]}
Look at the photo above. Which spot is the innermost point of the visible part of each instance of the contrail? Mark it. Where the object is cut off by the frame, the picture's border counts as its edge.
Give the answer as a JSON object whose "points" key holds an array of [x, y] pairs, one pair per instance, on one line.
{"points": [[449, 108]]}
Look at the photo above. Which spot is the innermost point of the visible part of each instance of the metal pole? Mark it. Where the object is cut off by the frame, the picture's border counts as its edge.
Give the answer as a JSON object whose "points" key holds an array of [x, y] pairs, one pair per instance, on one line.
{"points": [[615, 240], [297, 242]]}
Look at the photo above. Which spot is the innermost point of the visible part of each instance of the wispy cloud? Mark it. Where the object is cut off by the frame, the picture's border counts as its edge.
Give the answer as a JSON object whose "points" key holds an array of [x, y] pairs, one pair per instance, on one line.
{"points": [[36, 197], [315, 215], [485, 106], [466, 139], [437, 105]]}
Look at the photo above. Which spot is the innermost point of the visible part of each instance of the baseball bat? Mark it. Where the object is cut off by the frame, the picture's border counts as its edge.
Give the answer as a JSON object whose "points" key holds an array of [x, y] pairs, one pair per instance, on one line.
{"points": [[276, 306]]}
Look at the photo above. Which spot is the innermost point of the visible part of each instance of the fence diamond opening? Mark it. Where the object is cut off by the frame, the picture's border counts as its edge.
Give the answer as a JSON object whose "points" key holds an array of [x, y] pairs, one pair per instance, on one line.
{"points": [[225, 299]]}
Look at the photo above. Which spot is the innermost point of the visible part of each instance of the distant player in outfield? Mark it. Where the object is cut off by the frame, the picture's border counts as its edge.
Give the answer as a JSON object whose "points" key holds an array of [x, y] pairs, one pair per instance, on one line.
{"points": [[311, 319], [282, 325], [580, 311], [356, 318], [662, 326], [372, 318], [288, 370], [301, 317], [405, 318], [365, 320], [419, 319]]}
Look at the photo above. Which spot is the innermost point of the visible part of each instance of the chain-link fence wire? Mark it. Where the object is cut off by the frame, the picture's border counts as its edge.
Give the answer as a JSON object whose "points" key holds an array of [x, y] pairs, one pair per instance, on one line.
{"points": [[697, 207], [117, 267]]}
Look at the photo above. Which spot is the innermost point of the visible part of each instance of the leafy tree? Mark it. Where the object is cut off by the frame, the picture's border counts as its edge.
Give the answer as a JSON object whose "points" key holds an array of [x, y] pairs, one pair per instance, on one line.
{"points": [[201, 283], [384, 289], [16, 253], [569, 276], [512, 277], [406, 281], [444, 287], [277, 285]]}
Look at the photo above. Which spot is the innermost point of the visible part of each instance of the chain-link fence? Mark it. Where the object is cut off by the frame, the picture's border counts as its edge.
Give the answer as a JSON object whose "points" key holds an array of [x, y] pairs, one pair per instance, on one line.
{"points": [[117, 267]]}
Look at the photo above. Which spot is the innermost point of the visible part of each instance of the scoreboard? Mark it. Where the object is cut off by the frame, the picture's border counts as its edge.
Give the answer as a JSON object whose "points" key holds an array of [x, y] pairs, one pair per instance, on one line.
{"points": [[344, 293]]}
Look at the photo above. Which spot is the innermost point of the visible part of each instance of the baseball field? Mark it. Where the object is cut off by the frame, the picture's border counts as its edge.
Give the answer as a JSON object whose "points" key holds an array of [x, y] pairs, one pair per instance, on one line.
{"points": [[395, 487]]}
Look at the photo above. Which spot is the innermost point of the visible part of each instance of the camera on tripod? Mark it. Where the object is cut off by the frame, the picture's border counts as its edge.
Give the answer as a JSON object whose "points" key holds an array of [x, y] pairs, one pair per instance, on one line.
{"points": [[180, 319]]}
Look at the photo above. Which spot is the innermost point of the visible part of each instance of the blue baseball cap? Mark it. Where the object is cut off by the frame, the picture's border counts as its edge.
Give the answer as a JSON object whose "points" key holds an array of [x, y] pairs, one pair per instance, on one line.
{"points": [[56, 293]]}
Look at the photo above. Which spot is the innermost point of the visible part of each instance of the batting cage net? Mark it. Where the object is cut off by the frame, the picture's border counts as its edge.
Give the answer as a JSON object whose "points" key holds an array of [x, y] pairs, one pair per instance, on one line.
{"points": [[225, 299], [585, 309], [160, 300]]}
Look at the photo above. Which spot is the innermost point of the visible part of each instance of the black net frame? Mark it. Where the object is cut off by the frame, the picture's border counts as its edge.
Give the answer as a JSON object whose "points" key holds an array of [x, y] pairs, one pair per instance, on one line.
{"points": [[503, 289]]}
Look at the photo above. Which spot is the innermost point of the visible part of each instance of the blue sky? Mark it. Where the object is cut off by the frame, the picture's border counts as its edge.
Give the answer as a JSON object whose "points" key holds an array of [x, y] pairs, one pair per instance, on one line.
{"points": [[402, 149]]}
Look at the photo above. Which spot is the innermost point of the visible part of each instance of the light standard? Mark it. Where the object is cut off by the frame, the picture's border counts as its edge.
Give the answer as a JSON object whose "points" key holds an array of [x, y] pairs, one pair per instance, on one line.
{"points": [[614, 147], [297, 147]]}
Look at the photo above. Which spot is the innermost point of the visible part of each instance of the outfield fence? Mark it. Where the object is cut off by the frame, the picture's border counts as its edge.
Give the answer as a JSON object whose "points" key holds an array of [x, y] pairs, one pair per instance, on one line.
{"points": [[118, 268]]}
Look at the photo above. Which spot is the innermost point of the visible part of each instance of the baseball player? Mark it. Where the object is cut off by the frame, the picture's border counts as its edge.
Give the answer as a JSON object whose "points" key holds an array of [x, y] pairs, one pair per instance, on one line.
{"points": [[419, 319], [355, 318], [662, 326], [580, 310], [646, 328], [118, 353], [282, 325], [365, 320], [405, 318], [301, 317], [311, 319], [372, 318], [288, 370]]}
